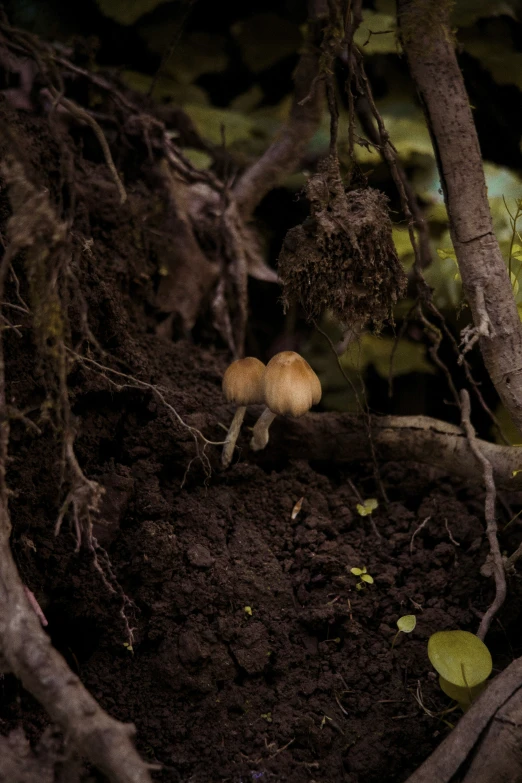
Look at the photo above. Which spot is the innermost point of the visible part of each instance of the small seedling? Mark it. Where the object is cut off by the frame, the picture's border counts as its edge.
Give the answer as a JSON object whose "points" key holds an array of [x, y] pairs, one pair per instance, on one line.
{"points": [[463, 663], [365, 508], [365, 577], [248, 610], [405, 624]]}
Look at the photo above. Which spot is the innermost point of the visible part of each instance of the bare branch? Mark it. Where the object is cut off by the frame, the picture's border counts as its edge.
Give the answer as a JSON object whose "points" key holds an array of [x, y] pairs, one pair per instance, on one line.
{"points": [[287, 150]]}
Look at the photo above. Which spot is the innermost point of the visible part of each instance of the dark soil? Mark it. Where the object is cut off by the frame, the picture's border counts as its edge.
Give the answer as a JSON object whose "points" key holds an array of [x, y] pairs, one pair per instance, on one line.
{"points": [[255, 656]]}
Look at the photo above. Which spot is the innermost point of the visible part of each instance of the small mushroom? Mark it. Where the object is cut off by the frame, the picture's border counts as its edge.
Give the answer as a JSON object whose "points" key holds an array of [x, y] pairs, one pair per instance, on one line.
{"points": [[290, 387], [242, 384]]}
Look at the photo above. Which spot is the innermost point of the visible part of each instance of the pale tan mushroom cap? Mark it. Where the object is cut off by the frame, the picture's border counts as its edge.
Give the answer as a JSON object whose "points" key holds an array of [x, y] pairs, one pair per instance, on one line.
{"points": [[243, 381], [291, 386]]}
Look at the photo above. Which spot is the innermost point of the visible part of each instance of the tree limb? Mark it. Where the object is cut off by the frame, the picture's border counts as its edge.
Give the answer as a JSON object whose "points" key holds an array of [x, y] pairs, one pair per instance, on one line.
{"points": [[339, 437], [430, 49], [287, 150]]}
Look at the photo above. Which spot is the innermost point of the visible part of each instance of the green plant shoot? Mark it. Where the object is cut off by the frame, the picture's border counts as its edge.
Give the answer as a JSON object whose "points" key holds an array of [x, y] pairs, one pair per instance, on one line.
{"points": [[463, 662], [365, 577], [405, 624], [367, 506]]}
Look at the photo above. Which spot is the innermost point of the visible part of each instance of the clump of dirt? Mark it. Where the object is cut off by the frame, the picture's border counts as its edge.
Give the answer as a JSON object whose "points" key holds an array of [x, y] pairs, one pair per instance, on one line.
{"points": [[254, 655], [342, 258]]}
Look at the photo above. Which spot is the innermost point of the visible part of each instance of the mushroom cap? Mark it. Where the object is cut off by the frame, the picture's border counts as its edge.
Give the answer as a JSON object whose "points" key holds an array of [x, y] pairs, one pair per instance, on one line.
{"points": [[291, 386], [460, 657], [243, 381]]}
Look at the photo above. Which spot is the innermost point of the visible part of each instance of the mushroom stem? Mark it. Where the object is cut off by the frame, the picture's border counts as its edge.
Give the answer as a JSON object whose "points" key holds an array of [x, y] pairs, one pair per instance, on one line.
{"points": [[260, 430], [232, 436]]}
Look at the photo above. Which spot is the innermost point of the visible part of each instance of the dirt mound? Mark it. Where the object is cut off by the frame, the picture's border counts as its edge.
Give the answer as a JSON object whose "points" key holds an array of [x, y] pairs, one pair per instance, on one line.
{"points": [[233, 635]]}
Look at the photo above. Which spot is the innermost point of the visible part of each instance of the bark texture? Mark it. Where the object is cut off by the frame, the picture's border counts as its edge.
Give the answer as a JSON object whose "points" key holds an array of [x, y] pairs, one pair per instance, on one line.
{"points": [[27, 652], [430, 49], [338, 437], [485, 745]]}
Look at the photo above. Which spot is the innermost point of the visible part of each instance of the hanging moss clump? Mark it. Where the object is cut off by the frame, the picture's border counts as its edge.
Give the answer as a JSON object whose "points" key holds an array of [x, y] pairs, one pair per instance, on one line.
{"points": [[342, 258]]}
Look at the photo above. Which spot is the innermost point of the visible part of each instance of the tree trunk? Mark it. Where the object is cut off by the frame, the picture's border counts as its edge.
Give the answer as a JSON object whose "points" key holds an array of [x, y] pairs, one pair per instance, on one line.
{"points": [[430, 49]]}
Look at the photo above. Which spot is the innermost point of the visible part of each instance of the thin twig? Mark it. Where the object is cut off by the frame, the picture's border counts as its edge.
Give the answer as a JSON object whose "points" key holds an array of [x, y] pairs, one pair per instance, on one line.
{"points": [[491, 522], [417, 530]]}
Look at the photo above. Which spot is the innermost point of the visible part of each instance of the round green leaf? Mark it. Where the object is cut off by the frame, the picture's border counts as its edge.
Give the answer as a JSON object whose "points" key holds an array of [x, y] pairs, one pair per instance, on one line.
{"points": [[460, 657], [464, 696], [407, 623]]}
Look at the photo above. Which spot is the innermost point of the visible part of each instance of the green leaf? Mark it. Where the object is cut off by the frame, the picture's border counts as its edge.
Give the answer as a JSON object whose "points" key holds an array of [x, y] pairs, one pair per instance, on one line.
{"points": [[464, 696], [407, 128], [402, 242], [367, 578], [357, 571], [460, 657], [193, 56], [198, 158], [208, 122], [166, 88], [366, 507], [444, 278], [466, 12], [516, 252], [446, 252], [373, 350], [127, 12], [494, 48], [407, 623], [247, 101], [264, 39], [377, 33]]}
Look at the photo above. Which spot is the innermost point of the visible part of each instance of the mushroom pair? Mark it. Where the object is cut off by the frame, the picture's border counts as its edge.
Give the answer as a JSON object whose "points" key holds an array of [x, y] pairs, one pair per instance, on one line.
{"points": [[287, 385]]}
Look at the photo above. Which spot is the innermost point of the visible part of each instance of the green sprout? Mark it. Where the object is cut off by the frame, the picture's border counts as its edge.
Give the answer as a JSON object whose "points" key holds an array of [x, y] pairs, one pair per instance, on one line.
{"points": [[365, 577], [365, 508], [463, 663], [405, 624]]}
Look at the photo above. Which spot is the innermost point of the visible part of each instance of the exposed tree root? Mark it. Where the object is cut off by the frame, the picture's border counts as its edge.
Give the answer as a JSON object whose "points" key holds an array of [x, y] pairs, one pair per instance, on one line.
{"points": [[491, 522], [485, 744], [26, 652], [25, 649], [337, 437]]}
